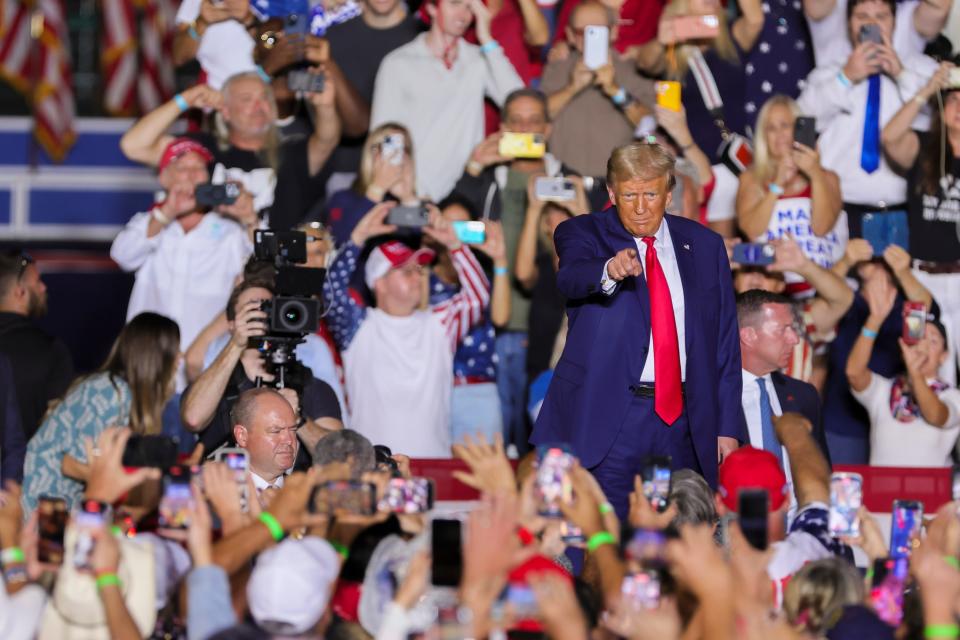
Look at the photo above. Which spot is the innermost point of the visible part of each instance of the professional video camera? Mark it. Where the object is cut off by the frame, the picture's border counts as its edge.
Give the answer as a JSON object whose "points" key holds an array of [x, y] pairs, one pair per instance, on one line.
{"points": [[292, 313]]}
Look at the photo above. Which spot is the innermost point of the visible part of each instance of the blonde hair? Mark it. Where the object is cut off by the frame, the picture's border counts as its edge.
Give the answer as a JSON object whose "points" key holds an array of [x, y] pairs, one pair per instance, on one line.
{"points": [[371, 147], [763, 167], [270, 153], [816, 595], [679, 60], [641, 160]]}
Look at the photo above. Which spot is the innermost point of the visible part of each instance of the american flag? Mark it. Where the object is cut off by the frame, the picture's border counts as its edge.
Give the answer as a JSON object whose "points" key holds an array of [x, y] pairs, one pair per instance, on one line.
{"points": [[138, 73], [35, 59]]}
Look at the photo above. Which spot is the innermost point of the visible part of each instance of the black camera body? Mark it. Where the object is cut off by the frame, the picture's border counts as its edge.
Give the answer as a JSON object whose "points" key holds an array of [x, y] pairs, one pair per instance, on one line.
{"points": [[291, 314], [212, 195]]}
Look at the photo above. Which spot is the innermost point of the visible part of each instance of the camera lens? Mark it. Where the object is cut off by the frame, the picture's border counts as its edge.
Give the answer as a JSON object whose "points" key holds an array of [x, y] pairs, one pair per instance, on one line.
{"points": [[293, 315]]}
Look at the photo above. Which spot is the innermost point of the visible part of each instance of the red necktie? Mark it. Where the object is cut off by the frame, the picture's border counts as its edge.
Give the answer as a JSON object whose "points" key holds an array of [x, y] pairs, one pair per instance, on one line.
{"points": [[668, 390]]}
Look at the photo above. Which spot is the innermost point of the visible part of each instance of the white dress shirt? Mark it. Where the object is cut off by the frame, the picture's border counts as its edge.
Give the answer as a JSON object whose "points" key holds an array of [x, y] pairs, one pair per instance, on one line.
{"points": [[261, 485], [840, 112], [751, 411], [663, 244], [187, 277]]}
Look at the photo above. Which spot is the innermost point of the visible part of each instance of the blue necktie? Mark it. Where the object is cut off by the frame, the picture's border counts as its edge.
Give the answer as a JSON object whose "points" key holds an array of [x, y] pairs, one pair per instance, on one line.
{"points": [[770, 441], [870, 151]]}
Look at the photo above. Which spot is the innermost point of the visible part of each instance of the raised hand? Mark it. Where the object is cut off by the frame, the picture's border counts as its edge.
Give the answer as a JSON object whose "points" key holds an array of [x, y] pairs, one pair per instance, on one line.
{"points": [[490, 470], [108, 480], [373, 224], [623, 265]]}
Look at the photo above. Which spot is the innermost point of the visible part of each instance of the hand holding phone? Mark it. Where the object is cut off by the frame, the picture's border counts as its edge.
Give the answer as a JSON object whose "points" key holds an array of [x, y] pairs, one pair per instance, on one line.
{"points": [[553, 483], [344, 497], [177, 501], [805, 131], [408, 495], [596, 46], [754, 254], [914, 322], [906, 521], [657, 476]]}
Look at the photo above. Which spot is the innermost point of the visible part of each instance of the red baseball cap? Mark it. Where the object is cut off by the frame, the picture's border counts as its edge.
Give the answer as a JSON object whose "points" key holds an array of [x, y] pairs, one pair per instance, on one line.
{"points": [[752, 468], [537, 564], [180, 147], [390, 255]]}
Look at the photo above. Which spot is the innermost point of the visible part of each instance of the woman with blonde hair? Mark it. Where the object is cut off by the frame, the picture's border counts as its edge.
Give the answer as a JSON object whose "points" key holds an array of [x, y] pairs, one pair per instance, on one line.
{"points": [[386, 170], [787, 191], [815, 597], [708, 63], [131, 389]]}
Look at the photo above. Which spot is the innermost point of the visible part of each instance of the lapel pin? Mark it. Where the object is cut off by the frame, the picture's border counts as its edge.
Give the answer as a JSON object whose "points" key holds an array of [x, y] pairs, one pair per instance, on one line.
{"points": [[687, 247]]}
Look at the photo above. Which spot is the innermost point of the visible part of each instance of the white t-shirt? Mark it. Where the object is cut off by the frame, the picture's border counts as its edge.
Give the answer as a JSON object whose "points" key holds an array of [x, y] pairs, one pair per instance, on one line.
{"points": [[831, 43], [907, 444], [793, 215], [399, 373], [226, 48]]}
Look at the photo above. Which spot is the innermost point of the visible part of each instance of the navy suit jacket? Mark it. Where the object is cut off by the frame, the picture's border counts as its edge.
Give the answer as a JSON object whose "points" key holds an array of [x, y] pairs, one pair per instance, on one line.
{"points": [[609, 336], [797, 396]]}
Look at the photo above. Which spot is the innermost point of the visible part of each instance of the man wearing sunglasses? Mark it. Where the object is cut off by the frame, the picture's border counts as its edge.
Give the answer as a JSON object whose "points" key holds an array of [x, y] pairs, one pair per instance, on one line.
{"points": [[42, 366]]}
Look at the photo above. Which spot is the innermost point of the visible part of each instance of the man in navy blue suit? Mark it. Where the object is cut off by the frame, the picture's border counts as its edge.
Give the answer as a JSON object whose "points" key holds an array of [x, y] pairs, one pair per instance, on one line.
{"points": [[767, 339], [651, 364]]}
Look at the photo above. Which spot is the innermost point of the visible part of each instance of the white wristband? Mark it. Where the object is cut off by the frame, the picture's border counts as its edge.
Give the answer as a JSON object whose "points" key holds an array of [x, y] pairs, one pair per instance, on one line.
{"points": [[159, 217]]}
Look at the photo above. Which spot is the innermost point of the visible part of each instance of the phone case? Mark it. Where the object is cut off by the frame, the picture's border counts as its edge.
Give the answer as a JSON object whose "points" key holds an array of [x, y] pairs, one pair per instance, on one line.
{"points": [[668, 94], [596, 46], [470, 231], [555, 189], [522, 145], [805, 131], [914, 322]]}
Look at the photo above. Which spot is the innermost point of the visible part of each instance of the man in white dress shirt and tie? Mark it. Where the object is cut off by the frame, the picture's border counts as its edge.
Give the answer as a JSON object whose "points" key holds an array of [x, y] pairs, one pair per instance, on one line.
{"points": [[266, 426], [768, 336]]}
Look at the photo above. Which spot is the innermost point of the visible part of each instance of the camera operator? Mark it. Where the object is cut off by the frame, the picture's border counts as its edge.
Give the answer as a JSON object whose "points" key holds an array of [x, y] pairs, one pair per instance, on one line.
{"points": [[185, 258], [207, 403]]}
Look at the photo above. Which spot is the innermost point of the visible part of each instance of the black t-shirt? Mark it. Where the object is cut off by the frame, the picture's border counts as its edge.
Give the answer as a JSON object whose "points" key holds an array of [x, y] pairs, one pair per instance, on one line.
{"points": [[295, 190], [359, 49], [934, 217], [317, 401], [42, 367], [546, 317]]}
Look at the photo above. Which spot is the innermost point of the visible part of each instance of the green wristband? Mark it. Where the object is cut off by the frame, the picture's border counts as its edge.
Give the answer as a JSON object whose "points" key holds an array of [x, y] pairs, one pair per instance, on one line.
{"points": [[952, 561], [272, 524], [341, 549], [12, 555], [597, 540], [107, 579], [606, 508], [941, 631]]}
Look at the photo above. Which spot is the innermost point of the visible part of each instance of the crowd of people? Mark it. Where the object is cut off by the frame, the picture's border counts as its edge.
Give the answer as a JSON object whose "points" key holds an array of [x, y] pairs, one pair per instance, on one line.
{"points": [[403, 175]]}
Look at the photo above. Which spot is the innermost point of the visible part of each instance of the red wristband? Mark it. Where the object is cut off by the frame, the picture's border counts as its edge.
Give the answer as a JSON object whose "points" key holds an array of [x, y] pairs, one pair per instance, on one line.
{"points": [[526, 538]]}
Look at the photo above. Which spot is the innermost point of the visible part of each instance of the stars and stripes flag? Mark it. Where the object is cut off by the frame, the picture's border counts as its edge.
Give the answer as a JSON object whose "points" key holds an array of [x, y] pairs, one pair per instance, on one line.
{"points": [[137, 71], [35, 59]]}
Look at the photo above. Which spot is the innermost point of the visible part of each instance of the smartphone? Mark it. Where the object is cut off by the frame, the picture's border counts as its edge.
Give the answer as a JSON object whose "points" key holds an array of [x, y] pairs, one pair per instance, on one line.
{"points": [[596, 46], [411, 217], [572, 535], [522, 145], [344, 497], [656, 476], [955, 484], [914, 321], [906, 520], [555, 189], [52, 524], [870, 33], [668, 94], [392, 148], [641, 589], [212, 195], [521, 602], [696, 27], [238, 461], [90, 517], [303, 81], [470, 231], [887, 588], [150, 451], [447, 553], [408, 495], [805, 131], [646, 547], [177, 500], [753, 507], [553, 478], [297, 24], [753, 254], [846, 498]]}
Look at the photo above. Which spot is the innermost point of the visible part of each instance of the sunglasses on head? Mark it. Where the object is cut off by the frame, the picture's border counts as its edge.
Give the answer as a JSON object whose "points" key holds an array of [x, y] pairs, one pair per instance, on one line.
{"points": [[23, 260]]}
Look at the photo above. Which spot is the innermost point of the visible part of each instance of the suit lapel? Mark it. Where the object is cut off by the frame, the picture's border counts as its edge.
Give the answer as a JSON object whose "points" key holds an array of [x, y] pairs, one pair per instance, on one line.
{"points": [[683, 249], [787, 402]]}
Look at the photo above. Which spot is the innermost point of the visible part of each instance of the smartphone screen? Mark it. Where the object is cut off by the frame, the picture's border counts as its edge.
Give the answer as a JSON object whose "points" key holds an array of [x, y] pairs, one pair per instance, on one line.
{"points": [[887, 587], [553, 479], [914, 321], [470, 231], [754, 506], [345, 497], [408, 495], [447, 553], [238, 462], [846, 498], [656, 477], [52, 525], [177, 500], [646, 547], [641, 589], [905, 523], [89, 518]]}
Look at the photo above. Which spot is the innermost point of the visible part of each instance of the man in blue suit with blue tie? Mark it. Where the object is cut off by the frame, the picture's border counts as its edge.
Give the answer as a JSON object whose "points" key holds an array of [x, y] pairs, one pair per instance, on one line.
{"points": [[651, 364]]}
